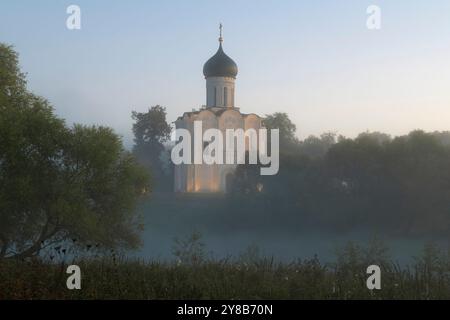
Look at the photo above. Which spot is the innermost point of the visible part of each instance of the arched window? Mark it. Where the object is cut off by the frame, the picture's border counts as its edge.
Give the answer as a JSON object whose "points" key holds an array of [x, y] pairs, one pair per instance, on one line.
{"points": [[225, 96]]}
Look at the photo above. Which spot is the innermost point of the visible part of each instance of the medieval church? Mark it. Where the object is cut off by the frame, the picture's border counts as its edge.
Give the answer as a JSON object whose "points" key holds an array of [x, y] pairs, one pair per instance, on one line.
{"points": [[220, 112]]}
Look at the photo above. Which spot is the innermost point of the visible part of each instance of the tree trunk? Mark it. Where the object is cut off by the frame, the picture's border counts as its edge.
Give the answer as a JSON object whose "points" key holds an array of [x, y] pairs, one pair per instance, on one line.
{"points": [[37, 246]]}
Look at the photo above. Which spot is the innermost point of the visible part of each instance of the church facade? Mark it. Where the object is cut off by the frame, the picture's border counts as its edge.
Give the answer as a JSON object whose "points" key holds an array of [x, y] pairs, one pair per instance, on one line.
{"points": [[220, 112]]}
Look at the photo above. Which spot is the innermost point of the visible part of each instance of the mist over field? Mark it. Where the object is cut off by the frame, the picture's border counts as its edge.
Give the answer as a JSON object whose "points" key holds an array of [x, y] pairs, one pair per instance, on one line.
{"points": [[224, 238]]}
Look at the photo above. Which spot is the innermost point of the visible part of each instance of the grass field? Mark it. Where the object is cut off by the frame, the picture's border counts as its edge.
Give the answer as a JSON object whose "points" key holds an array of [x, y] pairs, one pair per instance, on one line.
{"points": [[249, 276]]}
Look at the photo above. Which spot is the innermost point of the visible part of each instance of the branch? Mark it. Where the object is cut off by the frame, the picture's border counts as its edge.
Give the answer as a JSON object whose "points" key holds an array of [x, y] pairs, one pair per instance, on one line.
{"points": [[37, 246]]}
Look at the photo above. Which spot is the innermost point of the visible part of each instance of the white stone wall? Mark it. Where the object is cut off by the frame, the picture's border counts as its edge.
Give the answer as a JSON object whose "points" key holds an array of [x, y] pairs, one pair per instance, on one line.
{"points": [[211, 178], [220, 92], [205, 179]]}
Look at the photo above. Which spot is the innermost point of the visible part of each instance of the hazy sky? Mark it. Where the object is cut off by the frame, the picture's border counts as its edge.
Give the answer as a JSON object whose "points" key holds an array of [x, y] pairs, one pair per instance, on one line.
{"points": [[315, 60]]}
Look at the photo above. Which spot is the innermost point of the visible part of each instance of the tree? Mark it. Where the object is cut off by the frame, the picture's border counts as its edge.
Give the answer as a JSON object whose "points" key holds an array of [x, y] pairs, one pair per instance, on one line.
{"points": [[58, 182], [151, 127], [12, 81], [379, 137], [317, 147], [151, 131], [281, 121]]}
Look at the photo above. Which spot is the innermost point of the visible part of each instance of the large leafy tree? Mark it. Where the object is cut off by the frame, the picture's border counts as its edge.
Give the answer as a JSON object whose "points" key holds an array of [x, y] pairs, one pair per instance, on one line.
{"points": [[59, 182]]}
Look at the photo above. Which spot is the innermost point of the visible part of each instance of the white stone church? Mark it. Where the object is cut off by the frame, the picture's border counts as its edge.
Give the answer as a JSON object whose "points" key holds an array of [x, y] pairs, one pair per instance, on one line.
{"points": [[220, 112]]}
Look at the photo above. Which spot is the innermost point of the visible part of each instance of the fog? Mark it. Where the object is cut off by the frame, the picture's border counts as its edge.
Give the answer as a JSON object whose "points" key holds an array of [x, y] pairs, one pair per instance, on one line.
{"points": [[224, 238]]}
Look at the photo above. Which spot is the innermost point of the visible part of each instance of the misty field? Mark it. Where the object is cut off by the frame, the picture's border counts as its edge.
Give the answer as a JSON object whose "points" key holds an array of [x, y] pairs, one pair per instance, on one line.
{"points": [[194, 276]]}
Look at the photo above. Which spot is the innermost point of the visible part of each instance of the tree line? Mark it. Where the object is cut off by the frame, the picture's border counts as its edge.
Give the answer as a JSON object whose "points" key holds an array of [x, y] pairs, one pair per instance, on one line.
{"points": [[399, 184]]}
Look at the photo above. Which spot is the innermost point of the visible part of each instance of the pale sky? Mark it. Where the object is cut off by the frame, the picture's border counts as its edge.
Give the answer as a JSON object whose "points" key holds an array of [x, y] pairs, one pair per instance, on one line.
{"points": [[315, 60]]}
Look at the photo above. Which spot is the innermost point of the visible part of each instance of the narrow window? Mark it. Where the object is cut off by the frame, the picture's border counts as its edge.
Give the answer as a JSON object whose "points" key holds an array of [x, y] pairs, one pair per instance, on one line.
{"points": [[232, 97], [215, 96], [225, 96]]}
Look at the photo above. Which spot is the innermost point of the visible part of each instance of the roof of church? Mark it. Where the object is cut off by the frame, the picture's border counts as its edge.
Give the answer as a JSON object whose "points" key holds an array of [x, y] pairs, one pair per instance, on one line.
{"points": [[216, 110], [220, 65]]}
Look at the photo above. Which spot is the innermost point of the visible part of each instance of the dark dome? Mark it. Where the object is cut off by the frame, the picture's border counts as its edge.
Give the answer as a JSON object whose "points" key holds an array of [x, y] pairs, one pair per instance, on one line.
{"points": [[220, 65]]}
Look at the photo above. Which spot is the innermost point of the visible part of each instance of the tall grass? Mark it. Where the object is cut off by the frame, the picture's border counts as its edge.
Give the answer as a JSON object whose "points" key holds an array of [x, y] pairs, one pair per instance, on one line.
{"points": [[249, 276]]}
